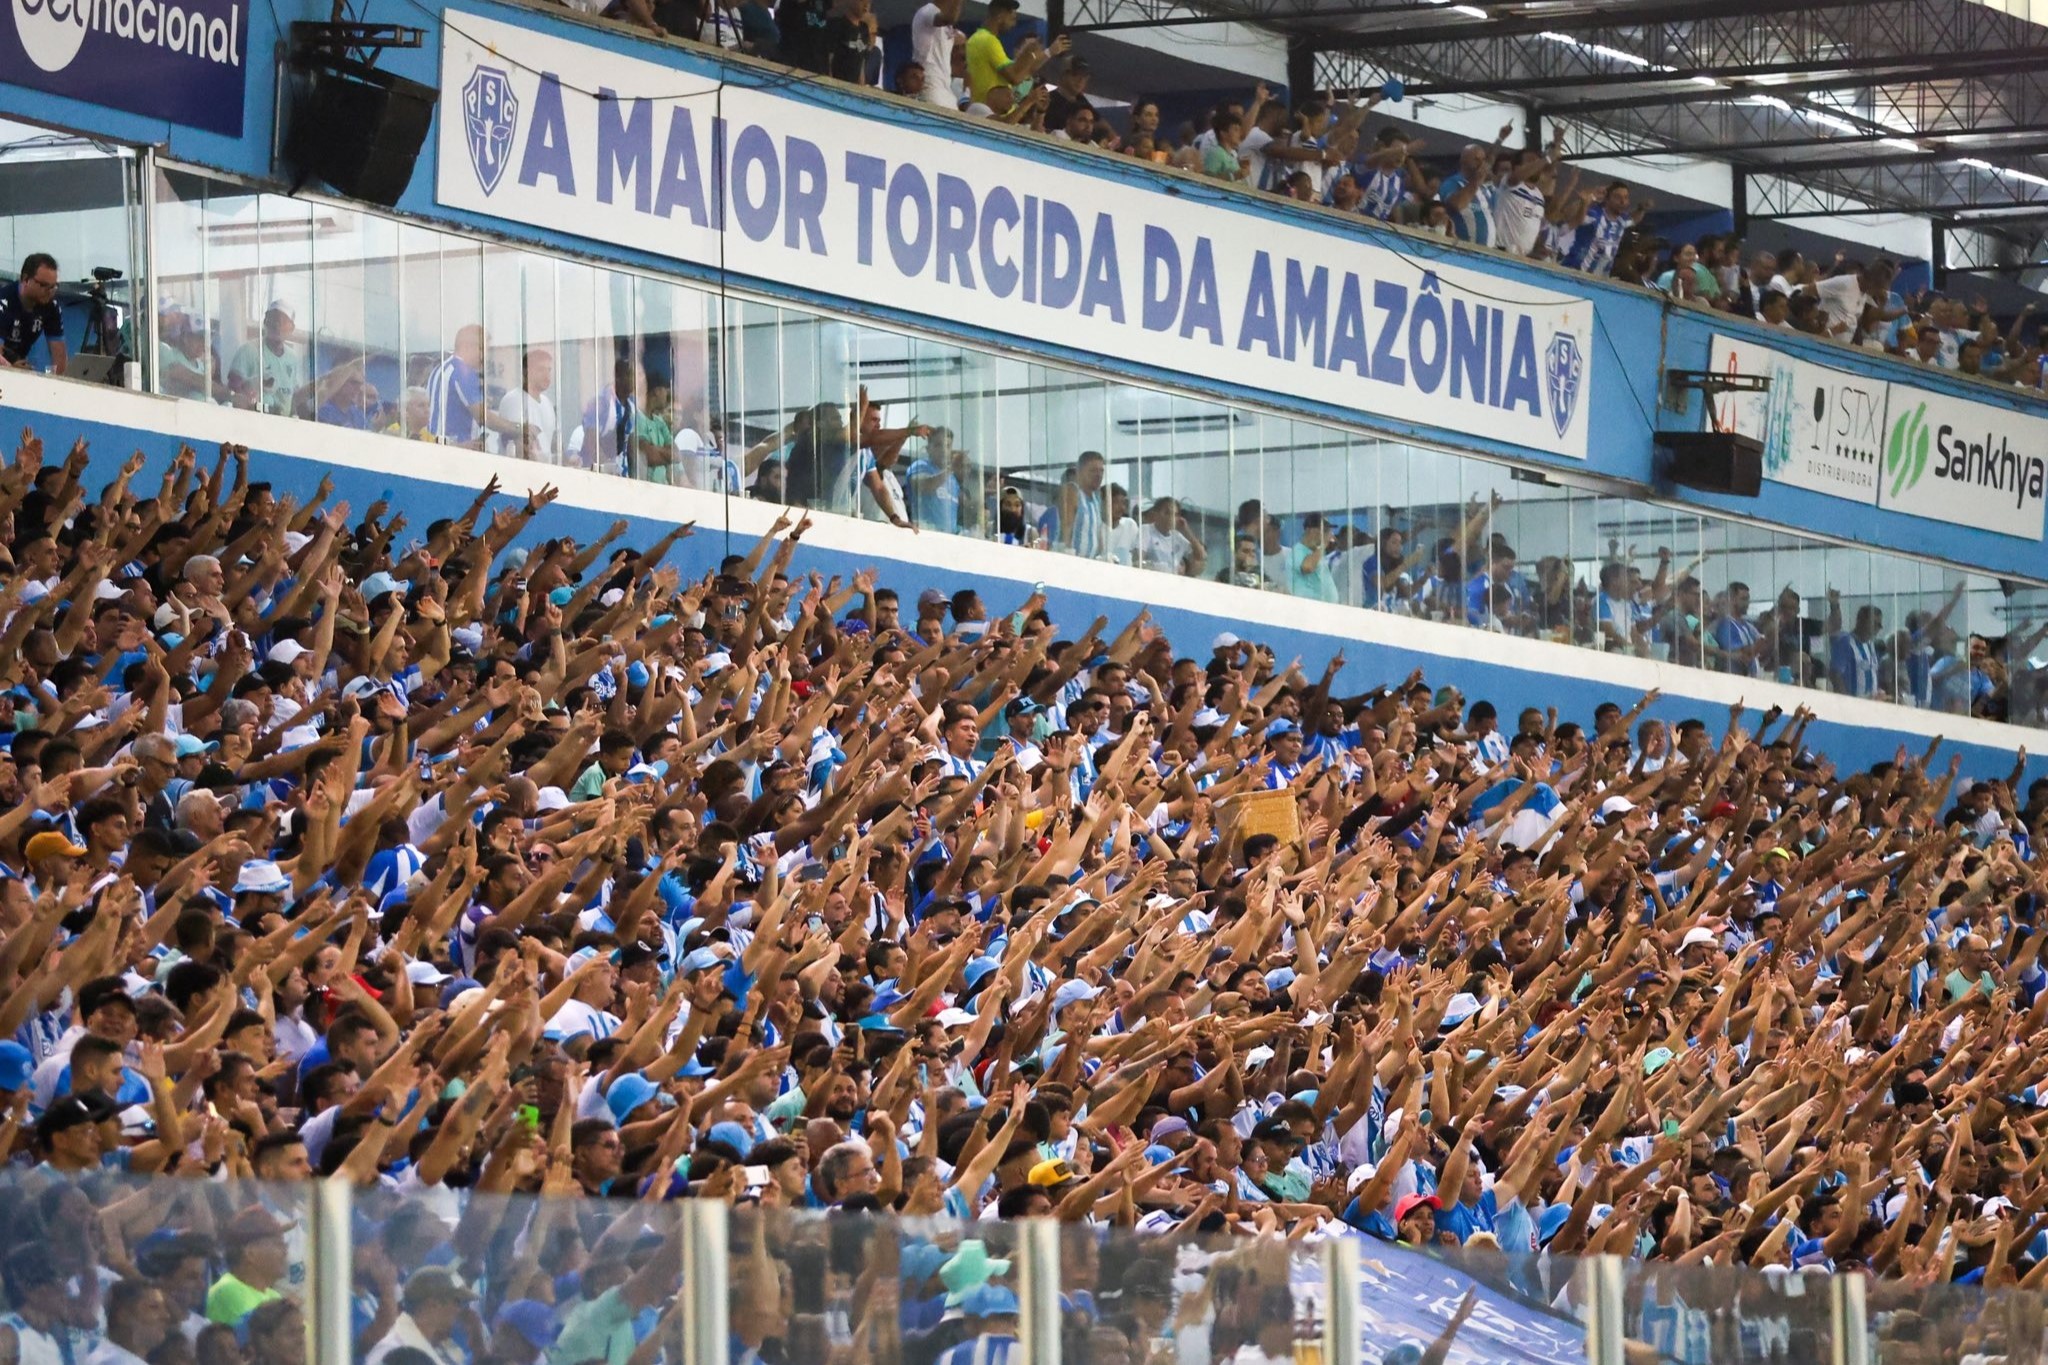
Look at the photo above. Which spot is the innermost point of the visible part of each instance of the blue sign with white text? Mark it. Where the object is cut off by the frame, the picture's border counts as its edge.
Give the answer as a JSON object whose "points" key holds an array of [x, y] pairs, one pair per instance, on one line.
{"points": [[182, 61]]}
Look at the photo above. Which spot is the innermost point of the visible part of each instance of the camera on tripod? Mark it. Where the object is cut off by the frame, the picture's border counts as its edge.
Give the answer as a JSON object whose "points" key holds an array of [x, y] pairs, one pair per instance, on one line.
{"points": [[103, 348]]}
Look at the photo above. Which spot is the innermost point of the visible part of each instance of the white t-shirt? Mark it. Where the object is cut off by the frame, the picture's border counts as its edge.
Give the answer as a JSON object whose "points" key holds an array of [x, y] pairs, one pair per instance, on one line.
{"points": [[536, 410], [1252, 151], [704, 466], [1518, 218], [931, 43], [1165, 551], [1841, 301], [1123, 542], [890, 507], [1319, 175]]}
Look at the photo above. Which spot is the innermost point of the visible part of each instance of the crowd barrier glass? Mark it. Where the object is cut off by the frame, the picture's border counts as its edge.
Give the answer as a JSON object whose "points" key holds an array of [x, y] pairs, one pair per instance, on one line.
{"points": [[344, 317], [183, 1269], [105, 1265]]}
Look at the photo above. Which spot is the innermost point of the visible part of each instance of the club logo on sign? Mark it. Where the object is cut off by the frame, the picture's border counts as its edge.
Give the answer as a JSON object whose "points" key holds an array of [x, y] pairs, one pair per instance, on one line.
{"points": [[490, 114], [1564, 366]]}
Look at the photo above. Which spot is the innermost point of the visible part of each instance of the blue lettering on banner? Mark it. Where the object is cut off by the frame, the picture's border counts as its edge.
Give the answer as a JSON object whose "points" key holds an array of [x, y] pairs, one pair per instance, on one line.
{"points": [[682, 176], [625, 149], [183, 61], [547, 140], [1337, 320], [1202, 313]]}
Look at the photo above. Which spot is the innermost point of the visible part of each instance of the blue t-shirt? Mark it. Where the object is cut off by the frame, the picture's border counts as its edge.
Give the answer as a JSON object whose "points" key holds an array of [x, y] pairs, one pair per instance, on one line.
{"points": [[1466, 1219], [935, 507]]}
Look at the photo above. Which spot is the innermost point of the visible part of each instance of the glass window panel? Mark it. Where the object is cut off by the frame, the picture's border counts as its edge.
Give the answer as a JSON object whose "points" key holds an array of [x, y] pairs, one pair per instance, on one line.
{"points": [[344, 390], [1856, 665], [619, 363], [290, 319], [188, 363], [953, 391], [1018, 504], [522, 319], [420, 325], [880, 364], [505, 342], [233, 307]]}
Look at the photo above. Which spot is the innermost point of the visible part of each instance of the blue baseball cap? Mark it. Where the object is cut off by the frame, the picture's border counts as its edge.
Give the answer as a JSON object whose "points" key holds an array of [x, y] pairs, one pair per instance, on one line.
{"points": [[694, 1070], [1071, 991], [17, 1064], [628, 1093], [451, 989], [533, 1320], [733, 1135], [990, 1301], [703, 959]]}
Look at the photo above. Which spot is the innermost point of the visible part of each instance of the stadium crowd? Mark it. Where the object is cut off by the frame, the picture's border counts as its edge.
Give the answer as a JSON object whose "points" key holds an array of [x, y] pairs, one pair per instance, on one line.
{"points": [[458, 862]]}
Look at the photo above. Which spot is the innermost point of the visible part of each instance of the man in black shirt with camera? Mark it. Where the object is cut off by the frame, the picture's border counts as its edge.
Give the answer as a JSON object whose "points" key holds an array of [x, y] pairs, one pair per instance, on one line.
{"points": [[28, 311]]}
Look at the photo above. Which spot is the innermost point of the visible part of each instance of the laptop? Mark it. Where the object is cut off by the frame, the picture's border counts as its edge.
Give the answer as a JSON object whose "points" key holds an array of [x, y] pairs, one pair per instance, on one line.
{"points": [[94, 369]]}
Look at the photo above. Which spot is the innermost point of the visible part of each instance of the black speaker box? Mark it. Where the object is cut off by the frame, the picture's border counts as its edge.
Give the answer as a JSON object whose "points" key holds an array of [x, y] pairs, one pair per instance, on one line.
{"points": [[1714, 461], [359, 131]]}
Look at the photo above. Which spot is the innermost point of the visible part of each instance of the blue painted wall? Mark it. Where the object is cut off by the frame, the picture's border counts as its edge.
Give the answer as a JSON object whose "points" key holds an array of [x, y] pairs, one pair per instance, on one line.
{"points": [[1636, 337]]}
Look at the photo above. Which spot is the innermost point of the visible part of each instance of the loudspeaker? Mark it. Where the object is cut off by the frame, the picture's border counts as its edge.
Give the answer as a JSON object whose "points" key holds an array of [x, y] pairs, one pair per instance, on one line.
{"points": [[1714, 461], [359, 130]]}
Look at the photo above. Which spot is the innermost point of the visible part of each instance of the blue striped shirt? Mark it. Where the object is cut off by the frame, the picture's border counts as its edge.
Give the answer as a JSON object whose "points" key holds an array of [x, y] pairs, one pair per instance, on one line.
{"points": [[453, 393]]}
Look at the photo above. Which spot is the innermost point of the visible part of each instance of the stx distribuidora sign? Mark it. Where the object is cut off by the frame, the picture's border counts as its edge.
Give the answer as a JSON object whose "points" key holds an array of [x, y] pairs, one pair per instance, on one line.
{"points": [[1888, 444]]}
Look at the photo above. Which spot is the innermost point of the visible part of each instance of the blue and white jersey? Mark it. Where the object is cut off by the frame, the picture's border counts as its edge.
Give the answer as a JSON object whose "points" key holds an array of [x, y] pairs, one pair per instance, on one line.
{"points": [[1091, 524], [1282, 775], [983, 1350], [390, 869], [1735, 634], [1384, 192], [1474, 222], [1854, 664], [453, 393], [1598, 241]]}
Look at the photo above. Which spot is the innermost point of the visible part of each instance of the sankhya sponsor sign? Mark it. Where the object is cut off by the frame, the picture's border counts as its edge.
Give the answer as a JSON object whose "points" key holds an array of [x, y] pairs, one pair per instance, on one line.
{"points": [[1888, 443], [583, 140]]}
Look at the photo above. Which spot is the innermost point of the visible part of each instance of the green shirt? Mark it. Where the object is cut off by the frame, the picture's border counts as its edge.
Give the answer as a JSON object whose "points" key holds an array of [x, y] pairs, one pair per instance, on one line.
{"points": [[785, 1106], [274, 376], [658, 442], [1221, 162], [230, 1300], [1960, 985], [601, 1329], [1317, 584], [590, 785]]}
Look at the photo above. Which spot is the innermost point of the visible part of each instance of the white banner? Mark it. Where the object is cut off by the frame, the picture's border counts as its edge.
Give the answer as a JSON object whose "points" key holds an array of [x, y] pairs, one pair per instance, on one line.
{"points": [[582, 140], [1888, 444]]}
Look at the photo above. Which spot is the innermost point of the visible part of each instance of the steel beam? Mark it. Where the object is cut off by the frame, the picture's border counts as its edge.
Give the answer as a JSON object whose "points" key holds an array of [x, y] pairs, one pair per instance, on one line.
{"points": [[1528, 25], [1901, 157], [1739, 150], [1825, 70], [1700, 94], [2010, 213]]}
